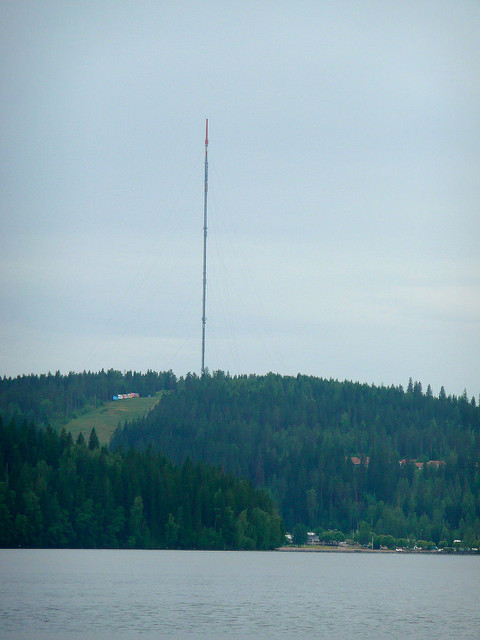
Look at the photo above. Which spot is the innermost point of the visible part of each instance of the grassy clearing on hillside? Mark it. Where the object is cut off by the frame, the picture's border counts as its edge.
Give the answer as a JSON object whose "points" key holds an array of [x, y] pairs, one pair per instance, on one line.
{"points": [[105, 419]]}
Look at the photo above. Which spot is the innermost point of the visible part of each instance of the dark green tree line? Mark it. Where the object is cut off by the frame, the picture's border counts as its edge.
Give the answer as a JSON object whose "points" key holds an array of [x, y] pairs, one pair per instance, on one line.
{"points": [[56, 493]]}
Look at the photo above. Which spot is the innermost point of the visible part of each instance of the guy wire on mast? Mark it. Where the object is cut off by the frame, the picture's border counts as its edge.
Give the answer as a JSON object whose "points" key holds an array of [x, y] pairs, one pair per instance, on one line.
{"points": [[204, 319]]}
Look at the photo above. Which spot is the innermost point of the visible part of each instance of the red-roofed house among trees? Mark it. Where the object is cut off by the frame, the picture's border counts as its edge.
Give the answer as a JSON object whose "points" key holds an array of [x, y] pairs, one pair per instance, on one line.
{"points": [[358, 461]]}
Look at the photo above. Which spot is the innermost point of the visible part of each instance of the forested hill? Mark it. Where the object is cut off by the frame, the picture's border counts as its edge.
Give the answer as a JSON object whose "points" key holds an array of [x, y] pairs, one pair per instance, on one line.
{"points": [[56, 398], [332, 453], [57, 493]]}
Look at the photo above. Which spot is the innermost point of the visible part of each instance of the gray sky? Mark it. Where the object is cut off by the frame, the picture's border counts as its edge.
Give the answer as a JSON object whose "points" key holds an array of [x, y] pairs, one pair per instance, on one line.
{"points": [[344, 188]]}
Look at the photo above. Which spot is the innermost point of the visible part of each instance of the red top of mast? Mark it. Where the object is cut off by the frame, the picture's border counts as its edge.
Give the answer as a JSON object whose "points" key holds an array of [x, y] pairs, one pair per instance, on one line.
{"points": [[206, 131]]}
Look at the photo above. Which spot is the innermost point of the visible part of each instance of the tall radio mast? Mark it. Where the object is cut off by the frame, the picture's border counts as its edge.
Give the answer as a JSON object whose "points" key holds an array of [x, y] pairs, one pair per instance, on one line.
{"points": [[204, 319]]}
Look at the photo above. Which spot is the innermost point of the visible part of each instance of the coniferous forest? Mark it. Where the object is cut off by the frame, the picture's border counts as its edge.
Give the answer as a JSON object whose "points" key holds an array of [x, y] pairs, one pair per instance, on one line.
{"points": [[334, 455], [56, 493], [215, 458]]}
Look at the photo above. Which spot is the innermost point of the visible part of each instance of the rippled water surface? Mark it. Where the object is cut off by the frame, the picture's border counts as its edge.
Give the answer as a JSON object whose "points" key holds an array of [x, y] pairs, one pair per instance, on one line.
{"points": [[202, 594]]}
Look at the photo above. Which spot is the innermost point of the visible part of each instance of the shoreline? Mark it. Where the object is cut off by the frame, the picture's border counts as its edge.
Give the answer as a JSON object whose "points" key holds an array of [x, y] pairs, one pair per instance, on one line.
{"points": [[326, 549]]}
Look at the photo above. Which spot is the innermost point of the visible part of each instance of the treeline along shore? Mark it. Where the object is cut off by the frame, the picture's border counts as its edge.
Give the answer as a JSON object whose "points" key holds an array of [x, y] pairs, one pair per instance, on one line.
{"points": [[360, 459], [57, 493]]}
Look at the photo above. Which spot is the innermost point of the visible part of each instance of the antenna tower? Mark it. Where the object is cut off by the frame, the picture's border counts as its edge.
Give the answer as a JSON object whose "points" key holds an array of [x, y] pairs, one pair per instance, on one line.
{"points": [[205, 193]]}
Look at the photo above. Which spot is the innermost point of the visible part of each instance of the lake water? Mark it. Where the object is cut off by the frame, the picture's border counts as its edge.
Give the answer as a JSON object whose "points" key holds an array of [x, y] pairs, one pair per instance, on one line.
{"points": [[201, 594]]}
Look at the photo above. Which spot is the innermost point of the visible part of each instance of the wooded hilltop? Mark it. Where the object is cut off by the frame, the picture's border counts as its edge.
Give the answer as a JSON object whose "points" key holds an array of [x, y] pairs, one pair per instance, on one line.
{"points": [[332, 455]]}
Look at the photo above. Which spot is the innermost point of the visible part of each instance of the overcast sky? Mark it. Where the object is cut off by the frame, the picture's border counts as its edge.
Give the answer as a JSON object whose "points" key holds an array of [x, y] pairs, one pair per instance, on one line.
{"points": [[344, 188]]}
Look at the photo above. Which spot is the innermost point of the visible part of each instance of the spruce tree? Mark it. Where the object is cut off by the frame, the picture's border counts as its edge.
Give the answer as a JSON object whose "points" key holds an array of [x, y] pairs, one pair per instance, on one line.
{"points": [[93, 441]]}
